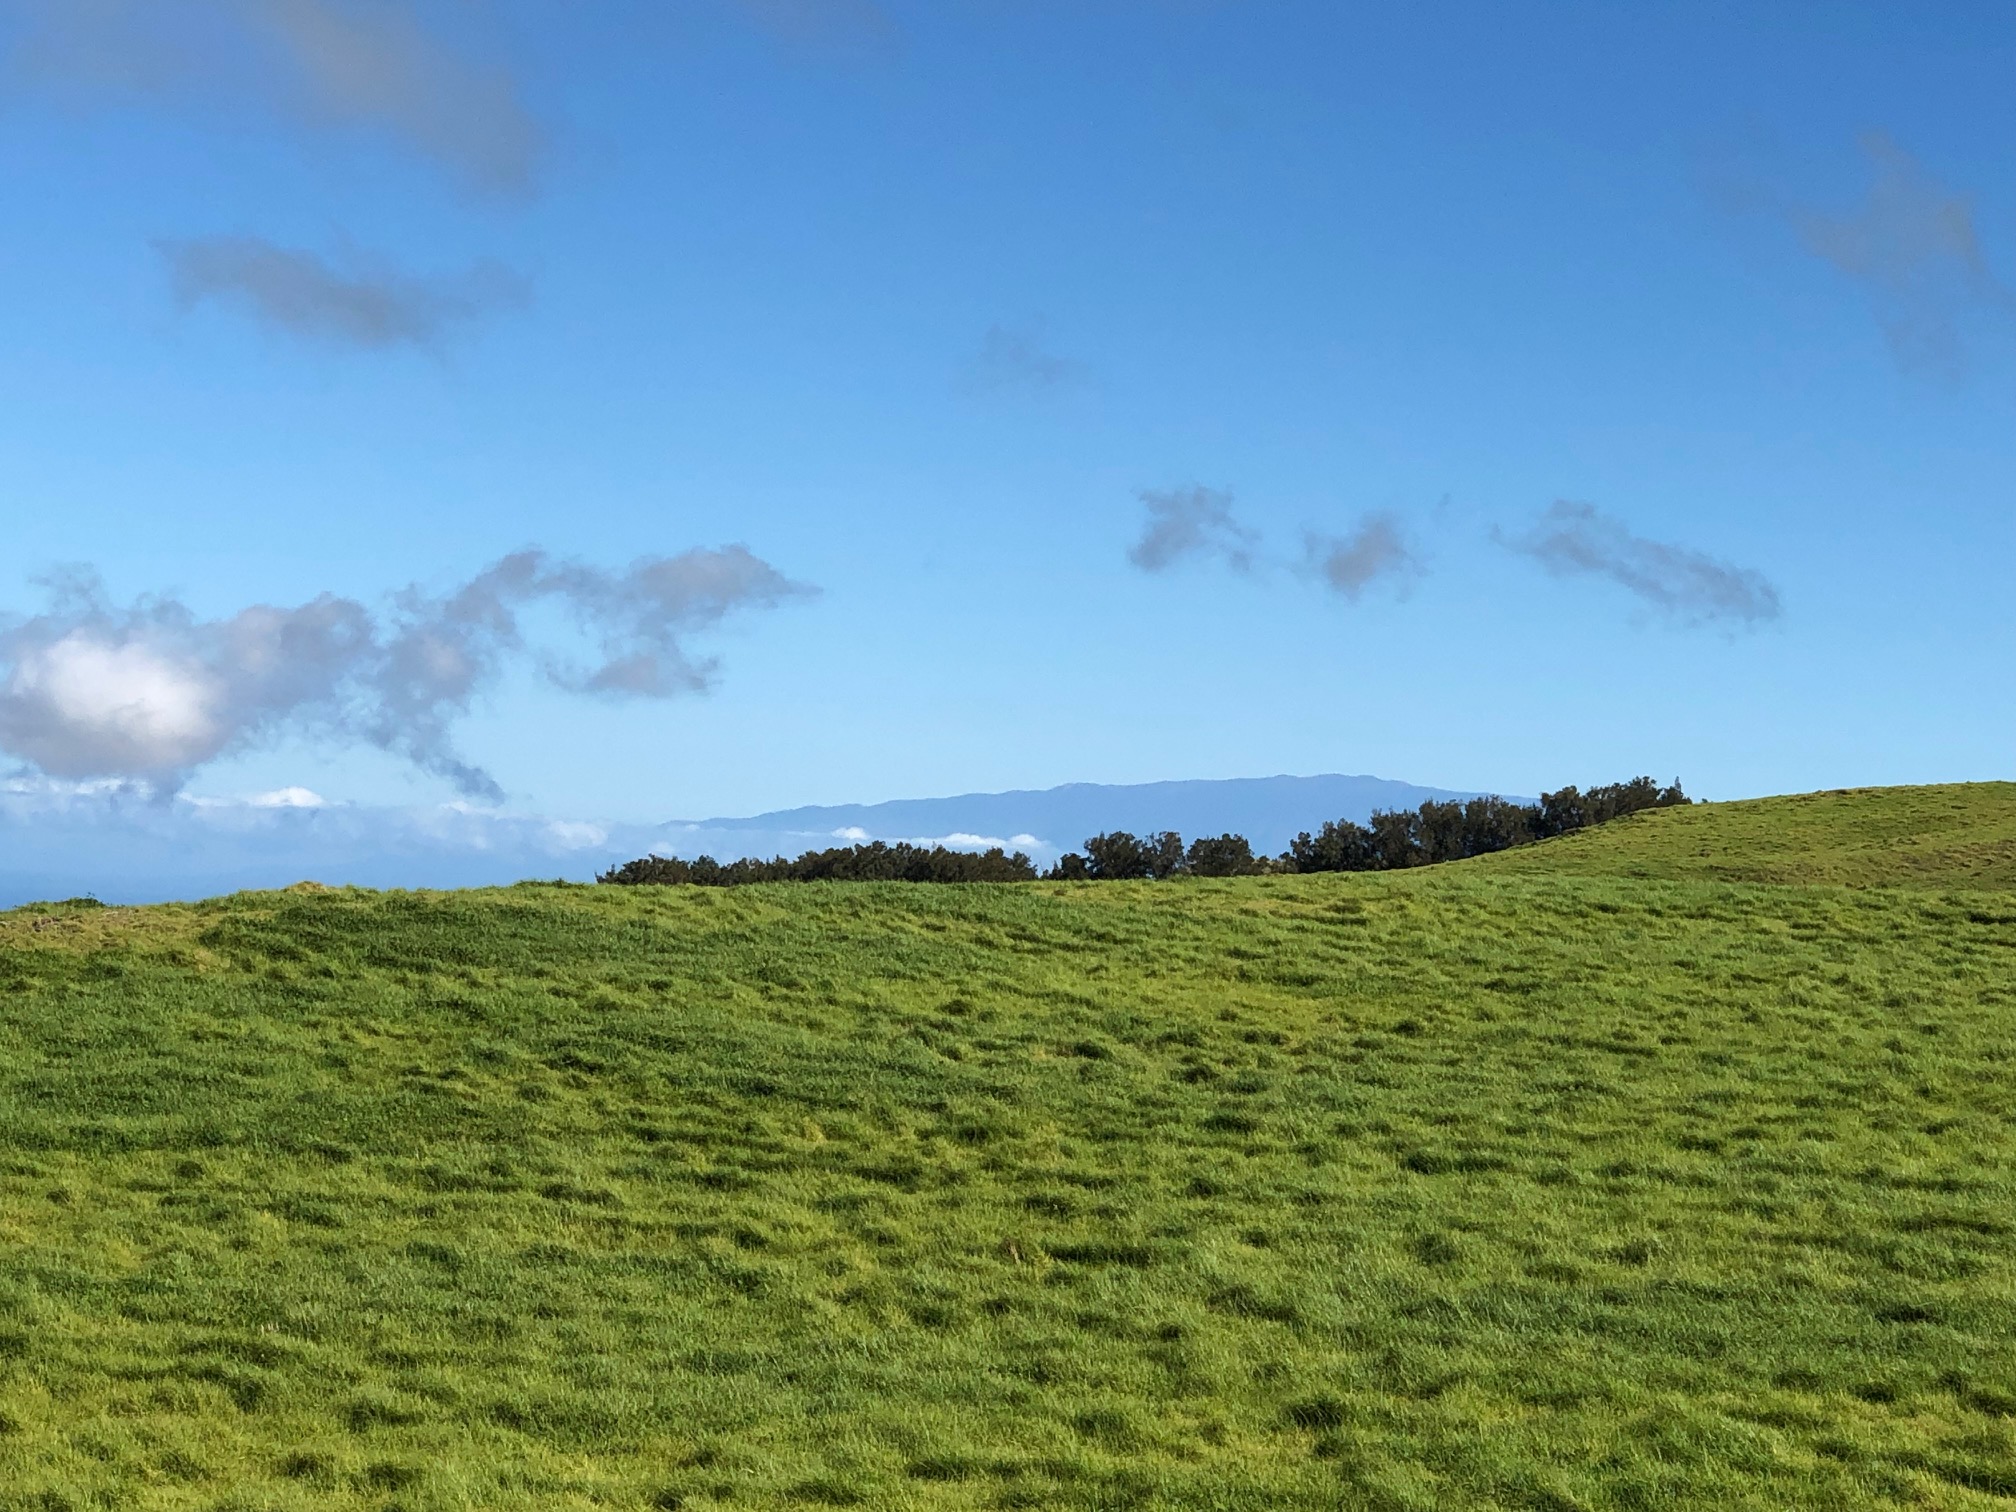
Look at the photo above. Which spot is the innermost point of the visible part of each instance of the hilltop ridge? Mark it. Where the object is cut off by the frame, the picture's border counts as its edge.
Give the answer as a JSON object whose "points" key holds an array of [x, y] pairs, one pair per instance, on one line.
{"points": [[1947, 835]]}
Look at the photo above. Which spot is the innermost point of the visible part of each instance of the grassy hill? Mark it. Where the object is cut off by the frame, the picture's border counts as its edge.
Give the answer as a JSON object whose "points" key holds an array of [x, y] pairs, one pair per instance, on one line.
{"points": [[1530, 1183], [1957, 835]]}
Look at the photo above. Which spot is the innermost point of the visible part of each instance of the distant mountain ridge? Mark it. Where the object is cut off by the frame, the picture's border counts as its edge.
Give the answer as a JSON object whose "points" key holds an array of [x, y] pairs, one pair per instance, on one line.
{"points": [[58, 840], [1269, 811]]}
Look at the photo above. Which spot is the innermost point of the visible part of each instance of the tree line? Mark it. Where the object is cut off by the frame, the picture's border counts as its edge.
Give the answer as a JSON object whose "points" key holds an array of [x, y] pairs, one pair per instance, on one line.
{"points": [[1449, 830], [1393, 839], [875, 862]]}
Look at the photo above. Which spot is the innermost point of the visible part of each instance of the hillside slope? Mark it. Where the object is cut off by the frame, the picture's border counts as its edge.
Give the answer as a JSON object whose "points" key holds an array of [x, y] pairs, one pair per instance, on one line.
{"points": [[1957, 835], [1454, 1188]]}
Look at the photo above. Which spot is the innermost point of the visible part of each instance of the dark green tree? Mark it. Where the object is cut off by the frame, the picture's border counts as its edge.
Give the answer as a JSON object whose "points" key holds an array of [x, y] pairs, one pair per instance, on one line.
{"points": [[1395, 839], [1341, 845], [1490, 824], [1222, 856], [1439, 832], [1117, 857]]}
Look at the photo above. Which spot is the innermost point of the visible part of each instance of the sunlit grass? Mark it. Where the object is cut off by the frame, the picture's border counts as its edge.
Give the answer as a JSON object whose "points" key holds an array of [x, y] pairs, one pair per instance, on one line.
{"points": [[1957, 835], [1469, 1187]]}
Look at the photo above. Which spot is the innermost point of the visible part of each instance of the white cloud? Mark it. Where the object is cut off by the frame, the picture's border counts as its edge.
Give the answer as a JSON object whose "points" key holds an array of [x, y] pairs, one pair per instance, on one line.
{"points": [[152, 691], [727, 839], [85, 702], [573, 834], [289, 797]]}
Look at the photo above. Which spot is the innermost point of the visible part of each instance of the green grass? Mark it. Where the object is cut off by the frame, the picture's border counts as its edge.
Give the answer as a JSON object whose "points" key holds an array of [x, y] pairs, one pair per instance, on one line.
{"points": [[1483, 1186], [1958, 835]]}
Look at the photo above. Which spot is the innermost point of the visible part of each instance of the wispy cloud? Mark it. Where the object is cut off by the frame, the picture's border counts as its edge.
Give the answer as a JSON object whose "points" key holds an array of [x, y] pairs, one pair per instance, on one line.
{"points": [[349, 64], [151, 691], [1913, 246], [1350, 564], [1686, 585], [1198, 524], [832, 25], [370, 305], [1187, 523], [1014, 358], [854, 834]]}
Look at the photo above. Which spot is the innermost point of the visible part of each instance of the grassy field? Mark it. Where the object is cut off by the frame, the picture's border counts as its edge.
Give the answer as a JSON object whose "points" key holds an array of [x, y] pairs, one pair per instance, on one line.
{"points": [[1527, 1184]]}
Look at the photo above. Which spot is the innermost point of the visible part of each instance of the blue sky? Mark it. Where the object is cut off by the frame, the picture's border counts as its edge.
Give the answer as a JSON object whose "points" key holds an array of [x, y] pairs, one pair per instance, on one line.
{"points": [[925, 306]]}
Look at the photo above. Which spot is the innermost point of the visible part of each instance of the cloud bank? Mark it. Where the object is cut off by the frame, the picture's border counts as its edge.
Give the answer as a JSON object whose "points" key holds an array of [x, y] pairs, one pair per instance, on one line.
{"points": [[350, 64], [1913, 247], [1574, 539], [123, 844], [372, 306], [151, 691]]}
